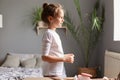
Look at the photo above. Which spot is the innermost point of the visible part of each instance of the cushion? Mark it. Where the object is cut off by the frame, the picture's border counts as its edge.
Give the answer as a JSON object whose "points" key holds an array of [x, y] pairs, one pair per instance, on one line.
{"points": [[22, 56], [29, 63], [28, 60], [11, 61], [38, 62]]}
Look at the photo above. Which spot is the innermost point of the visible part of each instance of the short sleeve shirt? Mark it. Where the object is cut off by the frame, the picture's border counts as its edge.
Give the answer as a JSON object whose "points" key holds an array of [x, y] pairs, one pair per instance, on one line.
{"points": [[52, 46]]}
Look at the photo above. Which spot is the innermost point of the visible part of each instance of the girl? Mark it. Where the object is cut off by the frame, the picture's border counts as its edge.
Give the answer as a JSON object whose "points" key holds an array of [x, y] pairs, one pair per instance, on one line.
{"points": [[53, 55]]}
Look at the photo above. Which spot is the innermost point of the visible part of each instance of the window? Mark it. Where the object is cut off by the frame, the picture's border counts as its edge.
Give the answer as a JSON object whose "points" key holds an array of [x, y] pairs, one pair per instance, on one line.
{"points": [[116, 20]]}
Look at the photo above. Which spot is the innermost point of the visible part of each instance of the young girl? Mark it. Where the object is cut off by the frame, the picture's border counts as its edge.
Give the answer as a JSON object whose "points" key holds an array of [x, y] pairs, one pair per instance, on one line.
{"points": [[53, 55]]}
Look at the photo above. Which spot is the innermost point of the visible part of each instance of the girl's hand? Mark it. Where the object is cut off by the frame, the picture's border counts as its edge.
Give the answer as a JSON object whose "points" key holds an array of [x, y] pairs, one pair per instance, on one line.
{"points": [[69, 58]]}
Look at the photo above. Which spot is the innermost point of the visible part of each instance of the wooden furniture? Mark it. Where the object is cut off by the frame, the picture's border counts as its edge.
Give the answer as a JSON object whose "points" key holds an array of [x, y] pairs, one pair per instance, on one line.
{"points": [[39, 28], [46, 78], [68, 78]]}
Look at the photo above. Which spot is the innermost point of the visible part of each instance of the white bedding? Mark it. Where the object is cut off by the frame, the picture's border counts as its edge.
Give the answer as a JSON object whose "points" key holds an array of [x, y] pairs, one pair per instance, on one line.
{"points": [[19, 73]]}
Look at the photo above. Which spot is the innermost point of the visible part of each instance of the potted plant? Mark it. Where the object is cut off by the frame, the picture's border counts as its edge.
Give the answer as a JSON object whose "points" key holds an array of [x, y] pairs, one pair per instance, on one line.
{"points": [[36, 16], [86, 36], [36, 19]]}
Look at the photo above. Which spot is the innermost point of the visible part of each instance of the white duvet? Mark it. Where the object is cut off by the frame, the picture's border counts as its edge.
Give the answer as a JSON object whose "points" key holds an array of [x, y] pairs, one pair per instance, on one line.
{"points": [[19, 73]]}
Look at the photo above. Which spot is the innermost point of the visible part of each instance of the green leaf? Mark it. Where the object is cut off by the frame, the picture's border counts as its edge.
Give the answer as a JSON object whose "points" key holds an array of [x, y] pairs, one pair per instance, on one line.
{"points": [[36, 15]]}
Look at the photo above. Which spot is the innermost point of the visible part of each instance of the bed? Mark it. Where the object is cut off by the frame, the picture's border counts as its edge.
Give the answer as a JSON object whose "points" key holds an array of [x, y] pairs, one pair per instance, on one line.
{"points": [[18, 66]]}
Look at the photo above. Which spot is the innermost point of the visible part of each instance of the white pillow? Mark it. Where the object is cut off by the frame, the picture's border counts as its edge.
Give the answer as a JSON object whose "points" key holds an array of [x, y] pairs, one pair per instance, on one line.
{"points": [[29, 63], [11, 61], [22, 56], [38, 61]]}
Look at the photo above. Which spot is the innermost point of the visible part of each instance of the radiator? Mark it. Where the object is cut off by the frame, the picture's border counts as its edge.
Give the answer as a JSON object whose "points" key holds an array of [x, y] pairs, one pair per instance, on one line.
{"points": [[111, 64]]}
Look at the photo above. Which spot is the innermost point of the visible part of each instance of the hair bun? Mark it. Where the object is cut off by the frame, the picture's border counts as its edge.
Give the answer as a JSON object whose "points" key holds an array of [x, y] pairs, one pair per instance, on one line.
{"points": [[45, 5]]}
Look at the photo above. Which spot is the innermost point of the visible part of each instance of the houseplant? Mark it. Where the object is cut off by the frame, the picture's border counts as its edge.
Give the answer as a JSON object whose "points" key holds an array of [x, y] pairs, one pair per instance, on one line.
{"points": [[87, 36], [36, 19], [36, 16]]}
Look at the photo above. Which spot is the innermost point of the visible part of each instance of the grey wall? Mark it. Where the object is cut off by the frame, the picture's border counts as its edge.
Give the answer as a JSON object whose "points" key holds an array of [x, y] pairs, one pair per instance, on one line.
{"points": [[18, 35], [107, 42], [86, 7]]}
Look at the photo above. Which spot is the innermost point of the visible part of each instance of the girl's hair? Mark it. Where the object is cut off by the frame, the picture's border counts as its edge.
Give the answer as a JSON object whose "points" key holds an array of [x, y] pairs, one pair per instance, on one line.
{"points": [[50, 10]]}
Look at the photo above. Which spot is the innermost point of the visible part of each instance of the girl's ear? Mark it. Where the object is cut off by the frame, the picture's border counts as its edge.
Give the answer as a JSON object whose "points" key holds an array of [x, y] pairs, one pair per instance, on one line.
{"points": [[50, 18]]}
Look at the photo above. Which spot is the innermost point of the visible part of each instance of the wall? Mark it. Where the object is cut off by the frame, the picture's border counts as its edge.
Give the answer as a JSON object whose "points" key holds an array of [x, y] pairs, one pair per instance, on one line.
{"points": [[18, 34], [107, 41], [86, 7]]}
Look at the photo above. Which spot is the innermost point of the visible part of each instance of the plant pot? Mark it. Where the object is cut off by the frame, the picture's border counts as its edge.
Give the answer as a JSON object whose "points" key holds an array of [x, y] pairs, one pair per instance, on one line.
{"points": [[92, 71]]}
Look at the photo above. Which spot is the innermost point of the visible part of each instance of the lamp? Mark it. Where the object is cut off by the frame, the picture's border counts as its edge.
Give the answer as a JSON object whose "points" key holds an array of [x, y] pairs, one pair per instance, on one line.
{"points": [[1, 21]]}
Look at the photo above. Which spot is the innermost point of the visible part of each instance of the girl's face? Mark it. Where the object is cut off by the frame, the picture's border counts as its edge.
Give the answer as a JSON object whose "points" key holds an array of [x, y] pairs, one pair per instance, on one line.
{"points": [[56, 22]]}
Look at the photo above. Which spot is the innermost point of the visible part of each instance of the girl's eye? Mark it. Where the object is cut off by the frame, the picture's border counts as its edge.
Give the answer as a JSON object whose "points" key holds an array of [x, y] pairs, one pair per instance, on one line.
{"points": [[61, 17]]}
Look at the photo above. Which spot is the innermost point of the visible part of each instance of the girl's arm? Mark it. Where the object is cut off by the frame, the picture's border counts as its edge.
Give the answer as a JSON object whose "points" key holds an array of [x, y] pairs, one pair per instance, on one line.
{"points": [[67, 58]]}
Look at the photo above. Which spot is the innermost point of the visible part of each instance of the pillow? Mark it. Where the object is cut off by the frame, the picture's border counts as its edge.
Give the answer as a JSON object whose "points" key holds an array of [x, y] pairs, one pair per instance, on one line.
{"points": [[29, 63], [11, 61], [38, 62], [22, 56]]}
